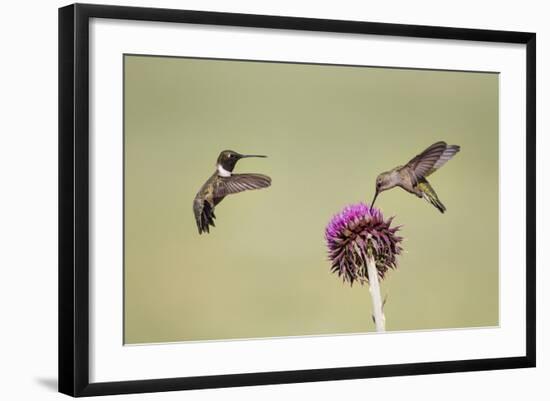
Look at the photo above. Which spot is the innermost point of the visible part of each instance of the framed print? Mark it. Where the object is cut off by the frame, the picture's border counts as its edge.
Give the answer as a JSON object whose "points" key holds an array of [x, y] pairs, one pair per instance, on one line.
{"points": [[250, 199]]}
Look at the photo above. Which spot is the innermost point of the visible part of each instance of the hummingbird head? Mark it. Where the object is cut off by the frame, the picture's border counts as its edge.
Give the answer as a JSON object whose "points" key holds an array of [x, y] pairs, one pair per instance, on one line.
{"points": [[228, 159], [383, 183]]}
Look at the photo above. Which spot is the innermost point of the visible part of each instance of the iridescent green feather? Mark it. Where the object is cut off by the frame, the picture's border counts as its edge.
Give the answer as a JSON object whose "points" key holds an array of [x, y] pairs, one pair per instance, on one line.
{"points": [[430, 195]]}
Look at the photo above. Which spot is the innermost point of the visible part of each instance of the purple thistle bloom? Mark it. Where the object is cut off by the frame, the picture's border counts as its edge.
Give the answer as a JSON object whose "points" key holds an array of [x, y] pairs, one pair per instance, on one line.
{"points": [[354, 233]]}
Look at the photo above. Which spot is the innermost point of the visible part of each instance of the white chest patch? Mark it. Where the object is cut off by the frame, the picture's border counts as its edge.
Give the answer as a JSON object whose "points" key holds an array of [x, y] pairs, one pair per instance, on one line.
{"points": [[223, 172]]}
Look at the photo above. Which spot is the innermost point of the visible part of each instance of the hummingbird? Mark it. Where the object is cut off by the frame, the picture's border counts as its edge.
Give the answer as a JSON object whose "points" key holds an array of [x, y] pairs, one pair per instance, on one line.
{"points": [[412, 176], [222, 183]]}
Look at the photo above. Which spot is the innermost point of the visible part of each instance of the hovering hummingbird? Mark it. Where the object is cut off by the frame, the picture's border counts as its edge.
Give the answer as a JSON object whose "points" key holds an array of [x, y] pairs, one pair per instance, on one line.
{"points": [[412, 176], [222, 183]]}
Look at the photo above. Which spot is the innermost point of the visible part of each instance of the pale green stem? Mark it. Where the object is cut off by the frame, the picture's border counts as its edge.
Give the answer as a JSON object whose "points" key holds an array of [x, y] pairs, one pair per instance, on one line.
{"points": [[374, 287]]}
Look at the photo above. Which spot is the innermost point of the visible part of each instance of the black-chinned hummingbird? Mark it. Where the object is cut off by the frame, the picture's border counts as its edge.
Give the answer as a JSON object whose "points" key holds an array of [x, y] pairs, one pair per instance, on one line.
{"points": [[412, 176], [222, 183]]}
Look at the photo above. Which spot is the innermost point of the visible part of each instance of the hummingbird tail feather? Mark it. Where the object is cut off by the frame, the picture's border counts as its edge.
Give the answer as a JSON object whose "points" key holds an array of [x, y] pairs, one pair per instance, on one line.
{"points": [[204, 215], [436, 202], [430, 195], [207, 217]]}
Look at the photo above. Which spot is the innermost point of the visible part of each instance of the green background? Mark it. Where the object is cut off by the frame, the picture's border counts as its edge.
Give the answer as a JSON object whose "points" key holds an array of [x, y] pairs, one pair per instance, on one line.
{"points": [[328, 131]]}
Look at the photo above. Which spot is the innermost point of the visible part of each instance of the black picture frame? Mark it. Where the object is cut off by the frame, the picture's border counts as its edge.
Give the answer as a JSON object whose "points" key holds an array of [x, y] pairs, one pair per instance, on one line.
{"points": [[74, 198]]}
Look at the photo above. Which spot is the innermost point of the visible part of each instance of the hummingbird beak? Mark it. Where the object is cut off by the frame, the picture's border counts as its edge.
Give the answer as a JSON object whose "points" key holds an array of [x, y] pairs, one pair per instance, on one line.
{"points": [[243, 156], [375, 196]]}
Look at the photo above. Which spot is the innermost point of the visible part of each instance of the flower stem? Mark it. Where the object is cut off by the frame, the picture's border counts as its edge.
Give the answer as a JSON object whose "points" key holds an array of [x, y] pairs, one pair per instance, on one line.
{"points": [[374, 287]]}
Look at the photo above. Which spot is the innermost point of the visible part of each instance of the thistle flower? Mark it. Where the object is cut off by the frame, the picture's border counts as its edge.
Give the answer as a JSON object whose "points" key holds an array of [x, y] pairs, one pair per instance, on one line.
{"points": [[358, 232]]}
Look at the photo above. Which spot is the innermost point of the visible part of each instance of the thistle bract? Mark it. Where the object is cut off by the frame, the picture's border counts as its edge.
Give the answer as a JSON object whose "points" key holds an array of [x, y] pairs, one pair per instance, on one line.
{"points": [[358, 231]]}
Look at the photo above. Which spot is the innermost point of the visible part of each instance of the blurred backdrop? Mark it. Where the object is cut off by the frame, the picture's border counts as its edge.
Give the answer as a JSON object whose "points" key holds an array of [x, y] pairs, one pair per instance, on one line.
{"points": [[328, 131]]}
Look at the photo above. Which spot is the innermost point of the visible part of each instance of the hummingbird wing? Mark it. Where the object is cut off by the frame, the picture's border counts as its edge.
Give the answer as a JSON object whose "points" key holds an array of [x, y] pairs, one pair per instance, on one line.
{"points": [[240, 182], [216, 188], [431, 159]]}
